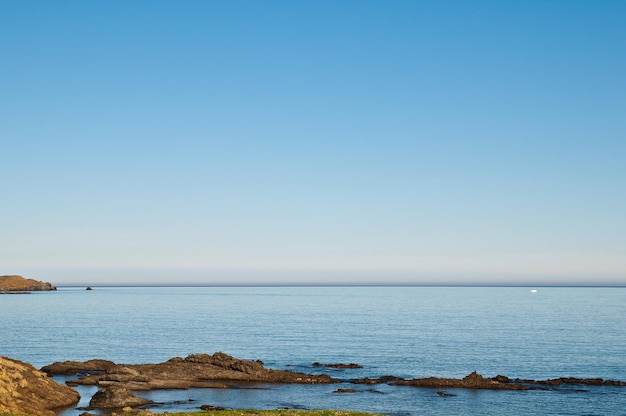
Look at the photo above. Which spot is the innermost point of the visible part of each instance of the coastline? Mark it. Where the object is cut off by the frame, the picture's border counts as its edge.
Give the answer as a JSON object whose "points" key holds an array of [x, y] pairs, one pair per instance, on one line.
{"points": [[117, 383]]}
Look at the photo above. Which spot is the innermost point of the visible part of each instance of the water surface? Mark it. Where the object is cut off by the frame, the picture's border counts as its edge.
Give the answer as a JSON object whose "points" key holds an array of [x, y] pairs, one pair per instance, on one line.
{"points": [[403, 331]]}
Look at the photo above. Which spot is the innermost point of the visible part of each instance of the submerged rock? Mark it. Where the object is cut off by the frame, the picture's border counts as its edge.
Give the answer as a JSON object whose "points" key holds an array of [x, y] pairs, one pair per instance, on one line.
{"points": [[24, 389], [345, 391], [337, 365]]}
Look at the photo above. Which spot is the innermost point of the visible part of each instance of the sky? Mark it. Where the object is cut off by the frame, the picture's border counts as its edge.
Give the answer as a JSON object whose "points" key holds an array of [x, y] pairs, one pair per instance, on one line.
{"points": [[299, 142]]}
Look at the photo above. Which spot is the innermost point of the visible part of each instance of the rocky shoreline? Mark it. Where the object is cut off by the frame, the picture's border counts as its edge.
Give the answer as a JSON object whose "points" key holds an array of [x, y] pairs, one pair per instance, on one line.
{"points": [[116, 382]]}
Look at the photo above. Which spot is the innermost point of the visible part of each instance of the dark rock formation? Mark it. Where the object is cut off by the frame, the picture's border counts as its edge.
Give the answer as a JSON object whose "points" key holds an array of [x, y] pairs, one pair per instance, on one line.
{"points": [[471, 381], [114, 397], [563, 381], [338, 365], [198, 370], [224, 371], [67, 368], [12, 284], [24, 389], [345, 391], [500, 382]]}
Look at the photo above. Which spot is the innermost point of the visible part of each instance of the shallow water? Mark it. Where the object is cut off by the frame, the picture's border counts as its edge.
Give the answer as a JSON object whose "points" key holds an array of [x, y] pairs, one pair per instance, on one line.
{"points": [[403, 331]]}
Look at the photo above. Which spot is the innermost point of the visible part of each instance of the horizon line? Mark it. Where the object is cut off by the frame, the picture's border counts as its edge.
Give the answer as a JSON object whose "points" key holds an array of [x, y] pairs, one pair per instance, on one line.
{"points": [[547, 285]]}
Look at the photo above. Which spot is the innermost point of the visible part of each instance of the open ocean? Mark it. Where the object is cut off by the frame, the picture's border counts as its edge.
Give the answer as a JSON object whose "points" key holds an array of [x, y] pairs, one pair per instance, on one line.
{"points": [[402, 331]]}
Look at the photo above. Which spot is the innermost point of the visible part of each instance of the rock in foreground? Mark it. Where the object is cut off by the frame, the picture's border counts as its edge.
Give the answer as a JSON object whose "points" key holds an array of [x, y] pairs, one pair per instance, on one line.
{"points": [[116, 398], [198, 370], [24, 389], [10, 284]]}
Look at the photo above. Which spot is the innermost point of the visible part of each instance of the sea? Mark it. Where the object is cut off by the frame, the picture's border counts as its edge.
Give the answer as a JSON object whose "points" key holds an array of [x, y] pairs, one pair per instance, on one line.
{"points": [[409, 332]]}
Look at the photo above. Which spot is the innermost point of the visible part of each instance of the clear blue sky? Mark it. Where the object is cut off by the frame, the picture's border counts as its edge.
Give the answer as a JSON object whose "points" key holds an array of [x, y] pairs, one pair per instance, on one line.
{"points": [[313, 141]]}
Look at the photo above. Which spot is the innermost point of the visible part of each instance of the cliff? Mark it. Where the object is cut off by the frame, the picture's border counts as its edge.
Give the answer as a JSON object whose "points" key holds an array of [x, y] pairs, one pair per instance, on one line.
{"points": [[21, 284]]}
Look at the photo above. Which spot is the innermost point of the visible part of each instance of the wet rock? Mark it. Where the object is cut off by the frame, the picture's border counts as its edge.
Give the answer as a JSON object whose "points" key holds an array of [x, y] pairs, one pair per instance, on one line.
{"points": [[24, 389], [444, 394], [114, 397]]}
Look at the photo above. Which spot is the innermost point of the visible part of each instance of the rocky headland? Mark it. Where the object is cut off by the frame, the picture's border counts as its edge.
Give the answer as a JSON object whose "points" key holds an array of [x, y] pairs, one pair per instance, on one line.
{"points": [[26, 390], [19, 284]]}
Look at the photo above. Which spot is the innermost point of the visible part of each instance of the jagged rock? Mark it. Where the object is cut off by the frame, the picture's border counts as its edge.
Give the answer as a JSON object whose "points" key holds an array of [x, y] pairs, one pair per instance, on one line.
{"points": [[197, 370], [24, 389], [66, 368], [16, 283], [219, 359], [474, 380], [114, 397]]}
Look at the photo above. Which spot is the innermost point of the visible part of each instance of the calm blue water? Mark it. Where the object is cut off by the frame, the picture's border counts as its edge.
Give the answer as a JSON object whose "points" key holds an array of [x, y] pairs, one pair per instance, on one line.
{"points": [[403, 331]]}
